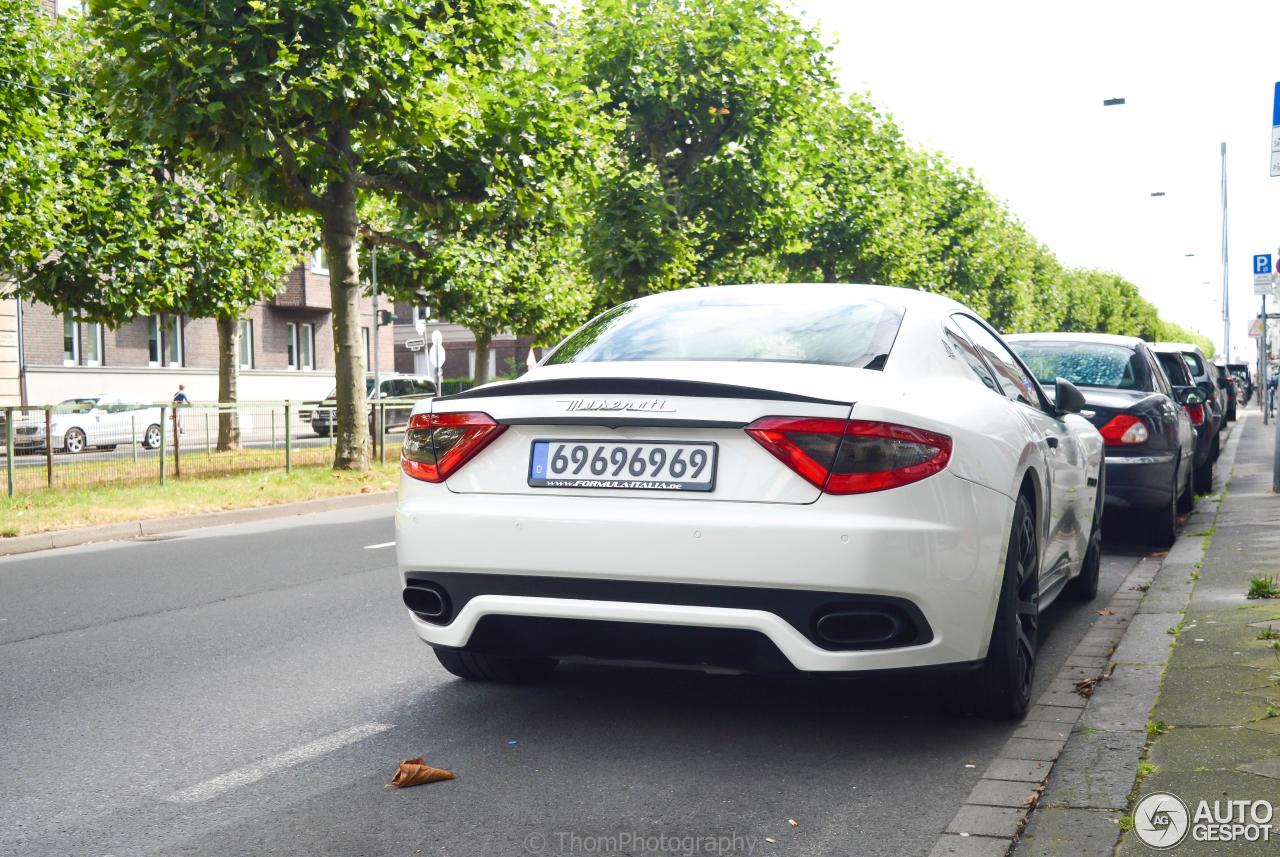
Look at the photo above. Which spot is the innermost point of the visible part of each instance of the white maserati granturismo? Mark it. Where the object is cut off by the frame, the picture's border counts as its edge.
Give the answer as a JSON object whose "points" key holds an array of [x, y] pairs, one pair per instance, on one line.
{"points": [[825, 479]]}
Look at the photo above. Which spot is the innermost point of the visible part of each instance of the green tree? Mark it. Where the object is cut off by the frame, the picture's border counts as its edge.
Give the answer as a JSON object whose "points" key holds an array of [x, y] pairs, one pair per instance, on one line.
{"points": [[130, 231], [713, 97], [316, 103]]}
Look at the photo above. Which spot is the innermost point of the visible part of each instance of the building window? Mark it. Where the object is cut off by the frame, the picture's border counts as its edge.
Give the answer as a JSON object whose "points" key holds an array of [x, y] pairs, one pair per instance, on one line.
{"points": [[364, 335], [246, 343], [173, 332], [70, 341], [291, 344], [306, 343], [319, 261], [93, 345], [154, 351]]}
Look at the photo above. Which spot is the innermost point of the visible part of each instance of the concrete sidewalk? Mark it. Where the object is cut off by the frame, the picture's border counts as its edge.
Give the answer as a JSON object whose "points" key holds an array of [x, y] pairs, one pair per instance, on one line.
{"points": [[1221, 693], [1193, 651]]}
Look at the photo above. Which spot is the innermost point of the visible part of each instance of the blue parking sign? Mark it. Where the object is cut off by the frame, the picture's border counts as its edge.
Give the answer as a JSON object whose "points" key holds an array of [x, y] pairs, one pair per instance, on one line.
{"points": [[1262, 263]]}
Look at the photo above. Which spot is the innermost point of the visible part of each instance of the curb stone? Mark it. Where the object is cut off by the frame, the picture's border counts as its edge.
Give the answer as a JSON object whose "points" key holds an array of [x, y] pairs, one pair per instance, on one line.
{"points": [[163, 526], [1091, 746]]}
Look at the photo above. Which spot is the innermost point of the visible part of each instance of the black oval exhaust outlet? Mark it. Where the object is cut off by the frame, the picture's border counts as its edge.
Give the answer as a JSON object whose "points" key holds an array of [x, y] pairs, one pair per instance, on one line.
{"points": [[428, 602], [858, 627]]}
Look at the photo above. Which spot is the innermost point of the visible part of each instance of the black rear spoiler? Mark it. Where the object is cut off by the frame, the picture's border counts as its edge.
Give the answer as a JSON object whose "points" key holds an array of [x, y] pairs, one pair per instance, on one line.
{"points": [[652, 387]]}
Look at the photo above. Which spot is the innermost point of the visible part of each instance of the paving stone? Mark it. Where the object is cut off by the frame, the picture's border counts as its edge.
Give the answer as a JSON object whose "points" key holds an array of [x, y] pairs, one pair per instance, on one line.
{"points": [[951, 845], [1032, 748], [988, 821], [1070, 699], [1060, 832], [1090, 662], [1096, 770], [1000, 793], [1020, 770], [1216, 748], [1042, 729], [1124, 701], [1053, 713], [1147, 640]]}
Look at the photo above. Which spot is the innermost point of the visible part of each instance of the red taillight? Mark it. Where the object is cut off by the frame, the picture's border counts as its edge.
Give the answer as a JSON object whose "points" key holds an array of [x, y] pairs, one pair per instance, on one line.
{"points": [[436, 445], [852, 456], [1124, 430], [1196, 412]]}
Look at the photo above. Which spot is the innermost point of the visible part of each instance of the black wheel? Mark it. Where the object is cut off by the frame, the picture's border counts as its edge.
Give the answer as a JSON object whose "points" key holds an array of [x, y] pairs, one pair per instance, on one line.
{"points": [[1231, 412], [151, 437], [1001, 687], [74, 441], [1084, 586], [107, 447], [1204, 473], [475, 666], [1187, 496], [321, 432], [1162, 523]]}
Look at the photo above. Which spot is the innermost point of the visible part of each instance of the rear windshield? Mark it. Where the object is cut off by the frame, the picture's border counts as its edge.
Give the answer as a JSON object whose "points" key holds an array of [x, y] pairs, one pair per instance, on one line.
{"points": [[715, 324], [1085, 364]]}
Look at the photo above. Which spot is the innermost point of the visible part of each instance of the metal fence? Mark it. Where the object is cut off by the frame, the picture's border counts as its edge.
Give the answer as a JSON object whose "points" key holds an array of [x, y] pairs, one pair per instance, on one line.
{"points": [[82, 444]]}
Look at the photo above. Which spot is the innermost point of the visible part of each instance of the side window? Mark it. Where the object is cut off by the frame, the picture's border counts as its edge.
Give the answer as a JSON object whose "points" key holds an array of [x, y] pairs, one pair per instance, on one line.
{"points": [[1016, 383], [1193, 363], [1159, 380], [964, 349], [420, 387]]}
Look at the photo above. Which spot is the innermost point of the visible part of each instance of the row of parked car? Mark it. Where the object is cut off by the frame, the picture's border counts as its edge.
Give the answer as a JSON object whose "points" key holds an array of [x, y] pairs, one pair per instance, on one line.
{"points": [[1160, 408], [107, 421]]}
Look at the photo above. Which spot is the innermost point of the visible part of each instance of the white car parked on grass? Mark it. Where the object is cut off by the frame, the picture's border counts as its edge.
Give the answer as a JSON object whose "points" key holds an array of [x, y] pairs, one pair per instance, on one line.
{"points": [[773, 478], [92, 421]]}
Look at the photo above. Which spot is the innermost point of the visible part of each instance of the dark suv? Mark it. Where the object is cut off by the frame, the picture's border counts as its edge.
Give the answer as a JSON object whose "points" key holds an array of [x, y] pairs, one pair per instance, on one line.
{"points": [[1206, 420], [398, 387]]}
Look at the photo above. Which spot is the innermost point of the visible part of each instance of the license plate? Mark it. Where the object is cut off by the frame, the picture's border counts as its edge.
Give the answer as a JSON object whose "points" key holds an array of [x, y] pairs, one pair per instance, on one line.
{"points": [[627, 464]]}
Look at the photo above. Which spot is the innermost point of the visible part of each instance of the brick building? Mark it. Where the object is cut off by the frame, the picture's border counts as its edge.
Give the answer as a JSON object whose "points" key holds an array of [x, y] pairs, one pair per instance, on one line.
{"points": [[286, 349]]}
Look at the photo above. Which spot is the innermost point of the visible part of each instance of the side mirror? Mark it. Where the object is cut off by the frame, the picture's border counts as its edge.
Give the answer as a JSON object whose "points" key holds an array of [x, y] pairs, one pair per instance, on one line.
{"points": [[1207, 387], [1066, 398], [1190, 396]]}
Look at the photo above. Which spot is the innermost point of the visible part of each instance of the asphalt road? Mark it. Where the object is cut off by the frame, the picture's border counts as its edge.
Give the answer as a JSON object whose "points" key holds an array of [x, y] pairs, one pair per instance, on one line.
{"points": [[249, 691]]}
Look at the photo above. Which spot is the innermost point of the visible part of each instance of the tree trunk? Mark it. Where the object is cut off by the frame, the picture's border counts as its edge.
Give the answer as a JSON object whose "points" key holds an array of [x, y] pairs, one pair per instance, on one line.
{"points": [[228, 381], [481, 375], [351, 444]]}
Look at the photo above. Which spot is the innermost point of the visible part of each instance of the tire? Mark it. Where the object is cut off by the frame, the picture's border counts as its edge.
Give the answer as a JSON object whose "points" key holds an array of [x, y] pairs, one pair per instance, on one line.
{"points": [[1231, 412], [108, 447], [1084, 586], [1162, 523], [1187, 497], [320, 432], [1204, 473], [475, 666], [151, 437], [1001, 687], [74, 441]]}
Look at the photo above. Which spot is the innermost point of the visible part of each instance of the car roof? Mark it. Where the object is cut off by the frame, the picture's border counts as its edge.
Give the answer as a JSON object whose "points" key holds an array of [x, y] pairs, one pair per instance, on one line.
{"points": [[904, 296], [1101, 338], [1177, 346]]}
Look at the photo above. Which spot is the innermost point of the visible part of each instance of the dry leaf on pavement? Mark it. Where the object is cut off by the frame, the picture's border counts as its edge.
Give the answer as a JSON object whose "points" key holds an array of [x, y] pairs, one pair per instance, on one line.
{"points": [[1106, 611], [1085, 686], [415, 772]]}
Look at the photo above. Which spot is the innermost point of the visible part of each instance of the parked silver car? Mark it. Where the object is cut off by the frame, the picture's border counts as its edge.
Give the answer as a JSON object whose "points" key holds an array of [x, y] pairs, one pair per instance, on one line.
{"points": [[390, 387]]}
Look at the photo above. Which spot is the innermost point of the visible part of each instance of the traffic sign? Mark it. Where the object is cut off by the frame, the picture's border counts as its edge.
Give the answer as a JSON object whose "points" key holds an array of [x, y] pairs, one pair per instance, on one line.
{"points": [[1275, 133], [1262, 264], [1255, 328], [415, 344]]}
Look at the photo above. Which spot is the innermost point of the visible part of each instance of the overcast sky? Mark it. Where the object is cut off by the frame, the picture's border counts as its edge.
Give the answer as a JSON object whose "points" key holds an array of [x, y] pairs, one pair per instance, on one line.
{"points": [[1015, 89]]}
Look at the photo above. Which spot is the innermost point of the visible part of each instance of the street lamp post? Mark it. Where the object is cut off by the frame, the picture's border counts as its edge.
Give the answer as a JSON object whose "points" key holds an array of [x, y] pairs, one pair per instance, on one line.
{"points": [[1226, 297]]}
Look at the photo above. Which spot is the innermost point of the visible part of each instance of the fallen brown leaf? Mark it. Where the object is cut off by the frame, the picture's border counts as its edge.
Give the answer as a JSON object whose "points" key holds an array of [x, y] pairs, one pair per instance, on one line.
{"points": [[1034, 798], [1106, 611], [793, 822], [415, 772], [1140, 587], [1085, 686], [1159, 553]]}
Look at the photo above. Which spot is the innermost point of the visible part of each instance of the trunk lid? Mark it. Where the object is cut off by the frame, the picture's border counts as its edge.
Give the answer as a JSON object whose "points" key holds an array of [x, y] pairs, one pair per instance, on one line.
{"points": [[672, 402]]}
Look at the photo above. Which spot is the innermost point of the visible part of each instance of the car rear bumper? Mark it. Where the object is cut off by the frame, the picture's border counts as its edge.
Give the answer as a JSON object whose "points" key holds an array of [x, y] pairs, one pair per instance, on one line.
{"points": [[723, 577], [1139, 482]]}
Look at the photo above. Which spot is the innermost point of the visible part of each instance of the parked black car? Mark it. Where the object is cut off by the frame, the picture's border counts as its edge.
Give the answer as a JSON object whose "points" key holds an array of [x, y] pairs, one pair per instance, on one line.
{"points": [[1205, 419], [1227, 382], [1244, 381], [1150, 442]]}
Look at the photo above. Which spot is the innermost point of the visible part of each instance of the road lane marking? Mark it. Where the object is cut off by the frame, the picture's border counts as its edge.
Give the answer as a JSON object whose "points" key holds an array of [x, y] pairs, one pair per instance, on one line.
{"points": [[380, 545], [295, 756]]}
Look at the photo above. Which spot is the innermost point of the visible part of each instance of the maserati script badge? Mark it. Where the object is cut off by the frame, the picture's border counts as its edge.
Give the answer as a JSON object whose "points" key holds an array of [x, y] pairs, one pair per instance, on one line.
{"points": [[659, 406]]}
